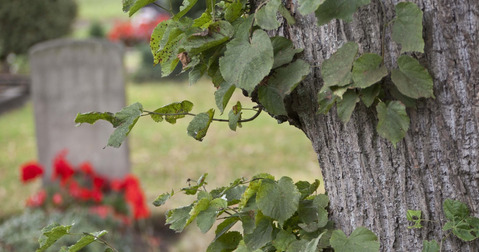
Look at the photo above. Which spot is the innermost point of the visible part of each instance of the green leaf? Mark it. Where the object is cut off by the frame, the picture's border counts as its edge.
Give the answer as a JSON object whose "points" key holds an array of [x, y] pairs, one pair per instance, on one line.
{"points": [[369, 94], [50, 234], [200, 206], [347, 104], [455, 210], [196, 73], [225, 226], [430, 246], [233, 11], [407, 101], [204, 21], [407, 27], [341, 9], [281, 83], [253, 187], [284, 51], [308, 6], [286, 14], [92, 117], [243, 30], [304, 245], [220, 32], [172, 111], [207, 218], [127, 117], [162, 198], [127, 4], [184, 8], [192, 190], [414, 216], [283, 239], [360, 240], [266, 15], [336, 70], [227, 242], [261, 235], [245, 64], [123, 121], [412, 79], [200, 124], [367, 70], [393, 121], [326, 100], [223, 95], [138, 5], [234, 116], [178, 217], [278, 200], [306, 189], [85, 240]]}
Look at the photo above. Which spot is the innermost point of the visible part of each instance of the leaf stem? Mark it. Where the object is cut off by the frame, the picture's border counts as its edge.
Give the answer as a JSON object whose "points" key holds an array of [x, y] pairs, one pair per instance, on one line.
{"points": [[101, 240]]}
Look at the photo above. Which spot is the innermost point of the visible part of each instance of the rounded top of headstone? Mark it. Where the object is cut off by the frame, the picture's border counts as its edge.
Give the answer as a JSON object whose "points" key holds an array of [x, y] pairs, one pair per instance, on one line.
{"points": [[67, 42]]}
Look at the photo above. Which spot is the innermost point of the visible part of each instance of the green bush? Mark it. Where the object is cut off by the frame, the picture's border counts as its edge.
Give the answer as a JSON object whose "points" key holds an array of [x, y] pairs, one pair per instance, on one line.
{"points": [[24, 23]]}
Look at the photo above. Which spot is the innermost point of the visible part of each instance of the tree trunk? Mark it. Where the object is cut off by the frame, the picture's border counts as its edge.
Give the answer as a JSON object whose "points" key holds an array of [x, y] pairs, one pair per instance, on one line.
{"points": [[370, 183]]}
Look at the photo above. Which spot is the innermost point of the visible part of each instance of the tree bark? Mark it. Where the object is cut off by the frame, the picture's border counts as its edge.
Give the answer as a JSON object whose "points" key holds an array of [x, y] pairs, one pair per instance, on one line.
{"points": [[370, 183]]}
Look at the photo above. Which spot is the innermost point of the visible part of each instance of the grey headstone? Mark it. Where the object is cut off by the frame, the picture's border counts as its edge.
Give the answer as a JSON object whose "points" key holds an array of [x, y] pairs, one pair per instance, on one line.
{"points": [[68, 77]]}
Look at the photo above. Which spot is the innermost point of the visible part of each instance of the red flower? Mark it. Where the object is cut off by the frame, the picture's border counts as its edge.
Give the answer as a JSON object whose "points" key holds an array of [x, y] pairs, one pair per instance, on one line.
{"points": [[135, 198], [30, 171], [87, 169], [96, 195], [62, 168], [57, 199], [99, 182], [37, 199]]}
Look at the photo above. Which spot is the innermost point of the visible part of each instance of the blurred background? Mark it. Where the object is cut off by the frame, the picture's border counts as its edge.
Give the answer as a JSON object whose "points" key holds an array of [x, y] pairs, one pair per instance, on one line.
{"points": [[162, 156]]}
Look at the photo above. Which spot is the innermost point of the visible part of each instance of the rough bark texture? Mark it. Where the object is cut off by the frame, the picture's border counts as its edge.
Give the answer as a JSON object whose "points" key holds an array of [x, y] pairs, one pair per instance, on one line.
{"points": [[371, 183]]}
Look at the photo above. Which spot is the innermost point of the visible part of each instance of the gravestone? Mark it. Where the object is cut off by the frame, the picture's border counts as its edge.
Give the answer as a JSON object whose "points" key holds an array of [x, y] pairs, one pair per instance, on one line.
{"points": [[68, 77]]}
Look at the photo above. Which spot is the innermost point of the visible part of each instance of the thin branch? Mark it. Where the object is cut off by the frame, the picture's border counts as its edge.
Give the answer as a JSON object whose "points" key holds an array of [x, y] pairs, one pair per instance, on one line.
{"points": [[101, 240], [214, 119]]}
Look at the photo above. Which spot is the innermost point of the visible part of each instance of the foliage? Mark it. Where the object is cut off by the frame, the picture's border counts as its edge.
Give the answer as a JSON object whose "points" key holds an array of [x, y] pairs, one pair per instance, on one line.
{"points": [[96, 30], [24, 23], [460, 223], [275, 215], [21, 233], [231, 46], [70, 188]]}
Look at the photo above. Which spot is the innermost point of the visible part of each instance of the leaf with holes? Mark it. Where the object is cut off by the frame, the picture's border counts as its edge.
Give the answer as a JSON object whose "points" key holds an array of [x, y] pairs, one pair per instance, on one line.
{"points": [[393, 121], [367, 70], [234, 116], [172, 111], [245, 64], [220, 32], [360, 240], [340, 9], [336, 70], [281, 83], [412, 79], [50, 234], [407, 27], [200, 124]]}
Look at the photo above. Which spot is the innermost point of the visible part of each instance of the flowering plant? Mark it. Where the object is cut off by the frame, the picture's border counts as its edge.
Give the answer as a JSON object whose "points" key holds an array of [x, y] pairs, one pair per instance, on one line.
{"points": [[122, 199]]}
